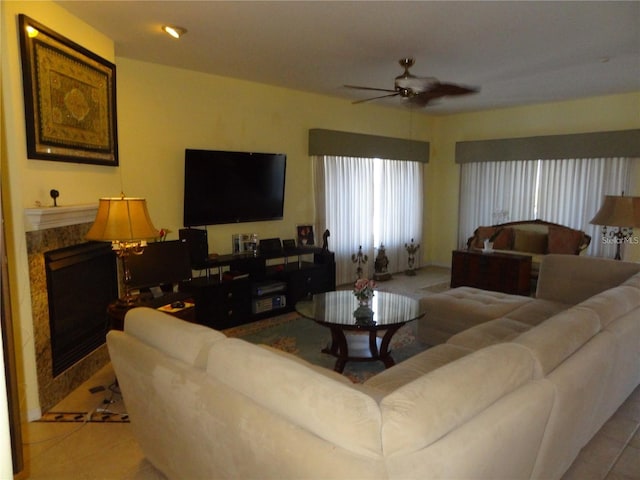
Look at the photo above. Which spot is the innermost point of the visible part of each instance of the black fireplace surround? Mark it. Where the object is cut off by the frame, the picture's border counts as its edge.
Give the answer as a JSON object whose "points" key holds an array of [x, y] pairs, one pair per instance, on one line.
{"points": [[81, 281]]}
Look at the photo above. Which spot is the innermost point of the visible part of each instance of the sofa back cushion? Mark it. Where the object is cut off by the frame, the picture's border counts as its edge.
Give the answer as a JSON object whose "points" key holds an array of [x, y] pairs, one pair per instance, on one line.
{"points": [[182, 340], [529, 241], [574, 278], [564, 240], [560, 336], [613, 303], [421, 412], [327, 408]]}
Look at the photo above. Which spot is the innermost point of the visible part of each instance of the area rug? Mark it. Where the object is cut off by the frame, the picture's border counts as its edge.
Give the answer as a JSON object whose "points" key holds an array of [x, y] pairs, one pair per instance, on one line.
{"points": [[306, 339], [438, 288]]}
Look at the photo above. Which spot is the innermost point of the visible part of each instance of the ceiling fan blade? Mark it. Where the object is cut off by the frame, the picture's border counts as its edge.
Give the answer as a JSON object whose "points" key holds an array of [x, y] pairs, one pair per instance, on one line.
{"points": [[439, 90], [423, 99], [450, 89], [369, 88], [376, 98]]}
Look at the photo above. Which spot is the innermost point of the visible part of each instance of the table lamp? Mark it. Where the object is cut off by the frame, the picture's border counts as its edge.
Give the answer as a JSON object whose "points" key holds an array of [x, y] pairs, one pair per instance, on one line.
{"points": [[618, 211], [123, 221]]}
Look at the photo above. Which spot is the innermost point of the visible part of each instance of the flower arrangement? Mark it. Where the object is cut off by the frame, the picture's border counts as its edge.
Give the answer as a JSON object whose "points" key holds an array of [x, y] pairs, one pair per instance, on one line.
{"points": [[162, 234], [363, 289]]}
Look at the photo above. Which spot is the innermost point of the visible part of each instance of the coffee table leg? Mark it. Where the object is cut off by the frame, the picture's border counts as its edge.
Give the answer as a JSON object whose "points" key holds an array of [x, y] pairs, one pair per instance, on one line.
{"points": [[338, 348], [385, 354]]}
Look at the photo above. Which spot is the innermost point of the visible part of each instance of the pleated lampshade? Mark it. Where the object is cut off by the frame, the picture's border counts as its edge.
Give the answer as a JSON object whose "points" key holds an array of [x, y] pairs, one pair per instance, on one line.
{"points": [[618, 211], [122, 219]]}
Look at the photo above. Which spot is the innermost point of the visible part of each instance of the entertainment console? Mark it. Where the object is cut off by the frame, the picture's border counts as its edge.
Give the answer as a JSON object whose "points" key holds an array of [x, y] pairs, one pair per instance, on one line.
{"points": [[251, 287]]}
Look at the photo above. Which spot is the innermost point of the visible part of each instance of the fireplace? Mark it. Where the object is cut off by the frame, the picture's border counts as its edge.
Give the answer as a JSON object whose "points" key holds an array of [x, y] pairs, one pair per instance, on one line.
{"points": [[50, 229], [81, 281]]}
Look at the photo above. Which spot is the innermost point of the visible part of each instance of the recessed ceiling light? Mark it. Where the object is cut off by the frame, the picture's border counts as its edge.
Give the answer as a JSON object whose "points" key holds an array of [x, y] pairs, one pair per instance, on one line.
{"points": [[175, 32]]}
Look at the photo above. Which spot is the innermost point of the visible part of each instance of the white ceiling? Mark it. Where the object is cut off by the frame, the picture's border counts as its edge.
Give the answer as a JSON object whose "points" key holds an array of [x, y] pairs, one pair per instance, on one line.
{"points": [[517, 53]]}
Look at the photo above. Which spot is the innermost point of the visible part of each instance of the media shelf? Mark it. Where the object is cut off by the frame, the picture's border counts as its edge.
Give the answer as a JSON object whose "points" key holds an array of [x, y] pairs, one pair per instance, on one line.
{"points": [[239, 289]]}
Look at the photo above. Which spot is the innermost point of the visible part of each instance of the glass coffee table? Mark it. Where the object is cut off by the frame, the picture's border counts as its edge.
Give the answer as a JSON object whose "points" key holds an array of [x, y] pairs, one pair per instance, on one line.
{"points": [[358, 335]]}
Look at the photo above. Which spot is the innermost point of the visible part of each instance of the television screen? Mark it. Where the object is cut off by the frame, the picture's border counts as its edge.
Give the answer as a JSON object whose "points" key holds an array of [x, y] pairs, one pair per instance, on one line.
{"points": [[161, 263], [230, 187]]}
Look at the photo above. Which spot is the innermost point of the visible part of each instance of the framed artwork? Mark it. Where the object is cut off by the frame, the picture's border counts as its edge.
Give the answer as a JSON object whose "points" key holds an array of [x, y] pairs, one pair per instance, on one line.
{"points": [[69, 99], [305, 236]]}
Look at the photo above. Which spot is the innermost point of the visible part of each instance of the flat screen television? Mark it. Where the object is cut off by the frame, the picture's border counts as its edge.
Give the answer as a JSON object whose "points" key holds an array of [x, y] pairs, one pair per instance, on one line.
{"points": [[232, 187]]}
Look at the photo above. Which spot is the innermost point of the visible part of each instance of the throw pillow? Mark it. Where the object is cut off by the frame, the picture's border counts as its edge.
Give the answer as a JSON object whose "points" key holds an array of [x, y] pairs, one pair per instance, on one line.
{"points": [[530, 242], [504, 240], [564, 240]]}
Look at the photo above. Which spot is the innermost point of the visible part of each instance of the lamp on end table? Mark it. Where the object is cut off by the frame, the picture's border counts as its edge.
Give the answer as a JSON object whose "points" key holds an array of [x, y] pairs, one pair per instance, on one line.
{"points": [[125, 222], [618, 211]]}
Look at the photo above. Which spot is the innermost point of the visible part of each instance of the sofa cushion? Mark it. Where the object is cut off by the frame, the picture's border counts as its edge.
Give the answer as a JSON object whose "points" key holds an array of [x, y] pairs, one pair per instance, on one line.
{"points": [[414, 415], [316, 368], [527, 241], [494, 331], [177, 338], [322, 405], [633, 281], [407, 371], [564, 240], [457, 309], [613, 303], [536, 312], [560, 336]]}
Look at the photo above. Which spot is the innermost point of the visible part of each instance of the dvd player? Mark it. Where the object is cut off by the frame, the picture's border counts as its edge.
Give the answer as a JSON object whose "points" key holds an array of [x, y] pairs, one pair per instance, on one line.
{"points": [[268, 288]]}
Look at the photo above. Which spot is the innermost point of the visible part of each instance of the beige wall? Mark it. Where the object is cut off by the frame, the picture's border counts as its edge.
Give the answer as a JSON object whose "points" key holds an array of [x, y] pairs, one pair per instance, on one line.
{"points": [[163, 110]]}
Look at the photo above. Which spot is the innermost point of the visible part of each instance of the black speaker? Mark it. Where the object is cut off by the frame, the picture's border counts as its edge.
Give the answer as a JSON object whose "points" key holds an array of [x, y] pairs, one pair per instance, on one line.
{"points": [[270, 245], [198, 245]]}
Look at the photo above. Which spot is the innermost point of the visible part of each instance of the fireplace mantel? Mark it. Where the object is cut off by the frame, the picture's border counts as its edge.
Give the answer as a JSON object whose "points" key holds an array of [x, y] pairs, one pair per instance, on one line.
{"points": [[43, 218]]}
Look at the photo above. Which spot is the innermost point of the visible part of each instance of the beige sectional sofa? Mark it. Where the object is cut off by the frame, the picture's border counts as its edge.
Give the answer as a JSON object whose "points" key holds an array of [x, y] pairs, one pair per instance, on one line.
{"points": [[515, 400]]}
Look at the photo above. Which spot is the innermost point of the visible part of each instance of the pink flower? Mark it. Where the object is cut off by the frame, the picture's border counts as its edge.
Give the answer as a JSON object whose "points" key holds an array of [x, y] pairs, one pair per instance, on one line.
{"points": [[364, 288]]}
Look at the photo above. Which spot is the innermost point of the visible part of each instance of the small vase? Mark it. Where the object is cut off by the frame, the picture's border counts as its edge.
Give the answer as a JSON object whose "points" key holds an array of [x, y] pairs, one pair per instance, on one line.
{"points": [[364, 301], [363, 314]]}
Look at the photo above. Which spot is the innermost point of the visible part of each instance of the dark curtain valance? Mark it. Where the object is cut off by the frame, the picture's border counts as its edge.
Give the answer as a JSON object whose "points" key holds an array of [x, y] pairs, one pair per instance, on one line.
{"points": [[622, 143], [347, 144]]}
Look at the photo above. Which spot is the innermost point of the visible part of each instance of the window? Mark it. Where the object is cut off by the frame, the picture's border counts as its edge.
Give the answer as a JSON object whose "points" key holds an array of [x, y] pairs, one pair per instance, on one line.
{"points": [[565, 191], [368, 202]]}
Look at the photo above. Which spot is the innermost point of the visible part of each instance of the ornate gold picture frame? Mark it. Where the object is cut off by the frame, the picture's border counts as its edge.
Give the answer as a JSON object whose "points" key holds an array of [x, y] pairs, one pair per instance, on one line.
{"points": [[69, 97]]}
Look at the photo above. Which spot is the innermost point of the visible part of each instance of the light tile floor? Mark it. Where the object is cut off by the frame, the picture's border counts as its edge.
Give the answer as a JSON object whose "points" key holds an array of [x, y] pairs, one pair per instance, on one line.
{"points": [[105, 451]]}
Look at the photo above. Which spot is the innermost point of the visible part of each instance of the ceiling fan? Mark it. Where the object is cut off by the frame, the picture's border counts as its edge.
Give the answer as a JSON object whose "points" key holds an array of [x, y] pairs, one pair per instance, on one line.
{"points": [[417, 90]]}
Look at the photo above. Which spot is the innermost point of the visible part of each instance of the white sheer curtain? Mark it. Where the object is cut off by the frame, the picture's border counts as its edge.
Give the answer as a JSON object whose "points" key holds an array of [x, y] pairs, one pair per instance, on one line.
{"points": [[571, 192], [367, 202], [565, 191], [495, 192]]}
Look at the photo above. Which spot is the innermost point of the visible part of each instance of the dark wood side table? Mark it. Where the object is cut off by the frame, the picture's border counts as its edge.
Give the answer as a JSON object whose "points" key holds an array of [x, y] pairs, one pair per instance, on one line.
{"points": [[116, 313], [497, 271]]}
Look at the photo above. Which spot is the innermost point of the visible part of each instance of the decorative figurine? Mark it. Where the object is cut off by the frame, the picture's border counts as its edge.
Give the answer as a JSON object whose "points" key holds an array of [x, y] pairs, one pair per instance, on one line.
{"points": [[380, 266], [325, 240], [359, 258], [411, 250]]}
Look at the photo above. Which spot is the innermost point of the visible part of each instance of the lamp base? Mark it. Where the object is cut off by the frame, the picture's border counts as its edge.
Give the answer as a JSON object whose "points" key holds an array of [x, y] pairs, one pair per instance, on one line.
{"points": [[128, 301]]}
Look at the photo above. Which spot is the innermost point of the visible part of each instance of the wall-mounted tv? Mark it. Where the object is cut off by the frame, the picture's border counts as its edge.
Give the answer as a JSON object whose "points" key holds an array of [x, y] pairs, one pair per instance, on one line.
{"points": [[231, 187]]}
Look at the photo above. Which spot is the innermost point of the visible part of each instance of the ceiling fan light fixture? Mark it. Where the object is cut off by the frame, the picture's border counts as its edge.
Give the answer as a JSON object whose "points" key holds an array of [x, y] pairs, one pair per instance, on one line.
{"points": [[175, 32]]}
